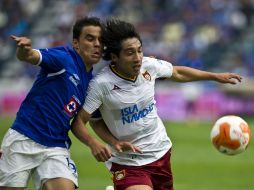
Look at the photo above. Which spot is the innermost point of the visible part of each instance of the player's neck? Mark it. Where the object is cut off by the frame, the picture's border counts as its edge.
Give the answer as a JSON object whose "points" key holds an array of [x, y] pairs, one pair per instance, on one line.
{"points": [[121, 74], [88, 66]]}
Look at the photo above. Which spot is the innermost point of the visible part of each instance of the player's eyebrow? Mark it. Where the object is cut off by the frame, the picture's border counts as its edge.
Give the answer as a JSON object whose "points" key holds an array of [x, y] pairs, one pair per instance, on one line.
{"points": [[90, 35], [133, 48]]}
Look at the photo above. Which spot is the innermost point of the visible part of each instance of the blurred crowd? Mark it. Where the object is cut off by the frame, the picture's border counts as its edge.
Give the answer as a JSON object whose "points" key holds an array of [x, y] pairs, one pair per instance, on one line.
{"points": [[216, 35], [15, 18]]}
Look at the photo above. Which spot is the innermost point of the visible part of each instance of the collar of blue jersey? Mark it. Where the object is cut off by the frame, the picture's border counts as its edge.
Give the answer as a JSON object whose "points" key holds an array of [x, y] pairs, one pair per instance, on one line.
{"points": [[113, 69]]}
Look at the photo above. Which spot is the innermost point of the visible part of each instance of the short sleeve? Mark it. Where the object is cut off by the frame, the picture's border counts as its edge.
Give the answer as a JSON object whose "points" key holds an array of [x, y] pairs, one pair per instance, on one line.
{"points": [[163, 68], [96, 115], [53, 59], [94, 97]]}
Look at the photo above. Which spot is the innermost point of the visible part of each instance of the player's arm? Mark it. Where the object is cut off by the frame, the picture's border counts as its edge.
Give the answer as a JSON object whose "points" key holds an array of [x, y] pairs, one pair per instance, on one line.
{"points": [[100, 151], [24, 51], [187, 74], [78, 127], [101, 129]]}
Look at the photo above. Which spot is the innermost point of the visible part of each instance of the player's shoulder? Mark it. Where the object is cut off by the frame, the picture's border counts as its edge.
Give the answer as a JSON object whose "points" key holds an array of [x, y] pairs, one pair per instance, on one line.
{"points": [[150, 62], [102, 76], [147, 60], [59, 52], [57, 49], [154, 62]]}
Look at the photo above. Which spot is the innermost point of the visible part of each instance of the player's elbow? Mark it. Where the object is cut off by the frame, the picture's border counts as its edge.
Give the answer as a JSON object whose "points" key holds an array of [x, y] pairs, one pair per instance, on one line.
{"points": [[31, 56]]}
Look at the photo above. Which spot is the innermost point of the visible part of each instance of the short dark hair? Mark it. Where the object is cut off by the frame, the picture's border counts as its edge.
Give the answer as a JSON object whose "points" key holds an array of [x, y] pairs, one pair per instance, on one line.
{"points": [[114, 33], [85, 21]]}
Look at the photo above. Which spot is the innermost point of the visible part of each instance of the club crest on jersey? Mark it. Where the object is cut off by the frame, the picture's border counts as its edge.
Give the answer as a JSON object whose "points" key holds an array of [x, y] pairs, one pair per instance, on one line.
{"points": [[118, 175], [71, 107], [147, 75]]}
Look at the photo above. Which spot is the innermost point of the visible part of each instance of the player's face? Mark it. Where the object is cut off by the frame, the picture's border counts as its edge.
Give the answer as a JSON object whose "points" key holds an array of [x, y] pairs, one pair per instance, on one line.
{"points": [[130, 58], [89, 45]]}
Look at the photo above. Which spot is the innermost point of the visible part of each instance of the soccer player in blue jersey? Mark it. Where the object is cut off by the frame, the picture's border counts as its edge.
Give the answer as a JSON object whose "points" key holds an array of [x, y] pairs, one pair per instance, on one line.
{"points": [[37, 144]]}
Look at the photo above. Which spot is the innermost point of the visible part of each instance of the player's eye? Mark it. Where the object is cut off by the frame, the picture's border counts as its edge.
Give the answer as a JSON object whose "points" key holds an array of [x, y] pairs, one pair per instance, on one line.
{"points": [[89, 38], [130, 52]]}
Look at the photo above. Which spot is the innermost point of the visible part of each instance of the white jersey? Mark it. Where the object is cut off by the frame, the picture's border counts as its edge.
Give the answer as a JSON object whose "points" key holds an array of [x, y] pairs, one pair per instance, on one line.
{"points": [[128, 108]]}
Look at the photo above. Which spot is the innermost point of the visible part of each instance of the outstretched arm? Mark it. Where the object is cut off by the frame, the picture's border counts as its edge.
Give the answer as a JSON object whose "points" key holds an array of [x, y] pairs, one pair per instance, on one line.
{"points": [[24, 51], [187, 74], [99, 150]]}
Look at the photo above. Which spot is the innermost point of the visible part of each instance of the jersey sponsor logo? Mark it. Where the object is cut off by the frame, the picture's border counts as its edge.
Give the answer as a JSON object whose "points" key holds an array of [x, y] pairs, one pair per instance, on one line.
{"points": [[133, 113], [72, 106], [116, 87], [118, 175], [147, 75]]}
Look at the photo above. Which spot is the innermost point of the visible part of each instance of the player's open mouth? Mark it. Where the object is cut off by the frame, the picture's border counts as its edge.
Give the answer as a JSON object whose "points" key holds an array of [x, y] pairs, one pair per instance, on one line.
{"points": [[136, 67]]}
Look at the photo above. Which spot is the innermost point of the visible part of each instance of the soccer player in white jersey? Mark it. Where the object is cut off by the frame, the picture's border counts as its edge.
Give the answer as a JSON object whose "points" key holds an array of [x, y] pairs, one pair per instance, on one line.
{"points": [[124, 94]]}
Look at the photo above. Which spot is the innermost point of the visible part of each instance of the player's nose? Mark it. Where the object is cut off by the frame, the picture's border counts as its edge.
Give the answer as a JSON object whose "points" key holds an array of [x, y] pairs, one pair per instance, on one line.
{"points": [[97, 43], [138, 57]]}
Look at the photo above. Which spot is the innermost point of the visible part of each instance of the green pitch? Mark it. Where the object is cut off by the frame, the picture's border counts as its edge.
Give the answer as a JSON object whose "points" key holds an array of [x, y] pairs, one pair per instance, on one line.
{"points": [[195, 162]]}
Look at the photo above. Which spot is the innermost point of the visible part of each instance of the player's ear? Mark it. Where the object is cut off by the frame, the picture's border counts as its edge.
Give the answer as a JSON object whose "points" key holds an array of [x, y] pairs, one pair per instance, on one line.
{"points": [[114, 58], [75, 44]]}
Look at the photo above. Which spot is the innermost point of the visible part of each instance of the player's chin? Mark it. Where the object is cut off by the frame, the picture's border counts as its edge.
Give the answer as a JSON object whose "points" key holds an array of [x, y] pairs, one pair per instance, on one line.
{"points": [[136, 68], [95, 59], [136, 72]]}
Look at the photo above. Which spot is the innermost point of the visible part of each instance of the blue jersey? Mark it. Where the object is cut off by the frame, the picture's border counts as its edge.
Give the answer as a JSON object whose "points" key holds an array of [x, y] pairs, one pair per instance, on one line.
{"points": [[56, 96]]}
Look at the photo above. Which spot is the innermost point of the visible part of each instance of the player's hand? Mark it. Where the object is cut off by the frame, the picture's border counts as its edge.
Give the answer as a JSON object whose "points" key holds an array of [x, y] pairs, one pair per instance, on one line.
{"points": [[22, 42], [230, 78], [121, 146], [24, 51], [100, 151]]}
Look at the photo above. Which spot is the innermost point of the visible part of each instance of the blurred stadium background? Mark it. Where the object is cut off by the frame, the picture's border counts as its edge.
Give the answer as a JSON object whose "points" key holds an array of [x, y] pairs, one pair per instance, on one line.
{"points": [[214, 35]]}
